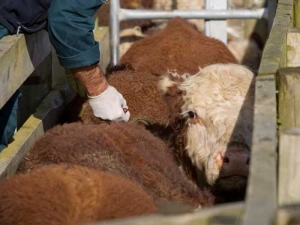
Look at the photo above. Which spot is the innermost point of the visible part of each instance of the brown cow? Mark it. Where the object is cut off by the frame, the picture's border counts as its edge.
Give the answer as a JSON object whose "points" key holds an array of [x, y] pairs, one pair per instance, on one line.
{"points": [[177, 47], [124, 149], [70, 195]]}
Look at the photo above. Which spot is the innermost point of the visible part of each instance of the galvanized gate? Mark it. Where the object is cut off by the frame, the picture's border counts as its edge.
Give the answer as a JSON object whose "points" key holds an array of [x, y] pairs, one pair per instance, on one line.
{"points": [[215, 14]]}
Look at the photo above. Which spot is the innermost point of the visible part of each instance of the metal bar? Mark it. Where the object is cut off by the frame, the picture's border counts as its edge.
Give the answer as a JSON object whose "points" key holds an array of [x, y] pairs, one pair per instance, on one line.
{"points": [[216, 28], [206, 24], [117, 14], [129, 14], [114, 30]]}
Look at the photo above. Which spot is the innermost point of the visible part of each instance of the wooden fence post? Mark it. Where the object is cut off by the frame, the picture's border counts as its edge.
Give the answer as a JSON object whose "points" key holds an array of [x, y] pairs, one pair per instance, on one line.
{"points": [[293, 47], [289, 167], [297, 13], [261, 191], [289, 97], [287, 215], [261, 201]]}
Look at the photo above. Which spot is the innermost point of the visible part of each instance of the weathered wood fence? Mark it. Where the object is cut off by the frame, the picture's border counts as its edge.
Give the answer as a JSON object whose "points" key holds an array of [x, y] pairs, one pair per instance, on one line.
{"points": [[273, 193]]}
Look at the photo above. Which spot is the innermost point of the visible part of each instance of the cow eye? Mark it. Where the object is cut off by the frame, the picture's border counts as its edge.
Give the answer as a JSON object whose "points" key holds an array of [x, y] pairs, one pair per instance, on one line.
{"points": [[191, 115]]}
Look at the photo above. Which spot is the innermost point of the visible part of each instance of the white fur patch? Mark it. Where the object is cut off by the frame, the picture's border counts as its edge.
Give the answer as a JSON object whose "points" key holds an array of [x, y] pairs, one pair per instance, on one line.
{"points": [[168, 80], [164, 84]]}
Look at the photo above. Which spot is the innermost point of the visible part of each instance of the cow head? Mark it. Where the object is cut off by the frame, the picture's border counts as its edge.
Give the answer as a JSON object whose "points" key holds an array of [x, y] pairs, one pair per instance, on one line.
{"points": [[211, 114]]}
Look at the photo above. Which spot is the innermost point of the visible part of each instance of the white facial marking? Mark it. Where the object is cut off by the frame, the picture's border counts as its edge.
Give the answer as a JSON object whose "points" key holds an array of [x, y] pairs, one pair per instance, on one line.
{"points": [[217, 96]]}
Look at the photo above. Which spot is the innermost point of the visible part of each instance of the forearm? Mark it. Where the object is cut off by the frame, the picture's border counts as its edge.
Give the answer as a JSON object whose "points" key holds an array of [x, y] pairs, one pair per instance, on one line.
{"points": [[92, 78], [70, 29]]}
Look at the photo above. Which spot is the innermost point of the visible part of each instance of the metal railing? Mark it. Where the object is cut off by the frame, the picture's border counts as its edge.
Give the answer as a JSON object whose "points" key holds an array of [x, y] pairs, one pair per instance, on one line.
{"points": [[214, 12]]}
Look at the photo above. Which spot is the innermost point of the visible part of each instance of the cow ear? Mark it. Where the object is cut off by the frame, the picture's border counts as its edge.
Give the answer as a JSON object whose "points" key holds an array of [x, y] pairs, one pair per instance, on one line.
{"points": [[169, 89], [169, 83]]}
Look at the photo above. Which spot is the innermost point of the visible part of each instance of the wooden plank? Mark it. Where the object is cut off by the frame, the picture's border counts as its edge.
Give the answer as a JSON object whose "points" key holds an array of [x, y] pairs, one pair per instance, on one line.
{"points": [[228, 214], [287, 215], [297, 13], [293, 47], [101, 35], [46, 116], [261, 191], [289, 167], [19, 56], [23, 140], [34, 90], [289, 97], [261, 199], [274, 54]]}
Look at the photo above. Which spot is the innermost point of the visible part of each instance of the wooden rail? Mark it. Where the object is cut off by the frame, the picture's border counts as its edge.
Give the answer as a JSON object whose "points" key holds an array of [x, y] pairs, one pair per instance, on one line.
{"points": [[262, 191], [230, 214], [46, 116], [288, 79], [20, 56], [287, 215], [277, 174], [289, 165]]}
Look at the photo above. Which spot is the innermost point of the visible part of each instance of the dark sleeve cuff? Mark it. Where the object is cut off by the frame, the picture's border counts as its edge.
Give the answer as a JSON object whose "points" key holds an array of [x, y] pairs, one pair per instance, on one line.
{"points": [[87, 58]]}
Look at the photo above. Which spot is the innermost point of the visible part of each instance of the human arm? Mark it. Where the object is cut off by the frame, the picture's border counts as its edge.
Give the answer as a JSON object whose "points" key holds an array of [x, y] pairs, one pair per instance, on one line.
{"points": [[70, 26], [105, 101]]}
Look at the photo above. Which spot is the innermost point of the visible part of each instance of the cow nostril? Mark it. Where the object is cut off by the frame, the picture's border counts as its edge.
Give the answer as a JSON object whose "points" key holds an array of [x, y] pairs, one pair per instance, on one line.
{"points": [[226, 159], [248, 161]]}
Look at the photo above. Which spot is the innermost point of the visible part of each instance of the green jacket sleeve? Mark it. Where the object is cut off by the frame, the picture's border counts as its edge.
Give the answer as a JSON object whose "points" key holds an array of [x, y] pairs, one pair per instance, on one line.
{"points": [[3, 31], [70, 27]]}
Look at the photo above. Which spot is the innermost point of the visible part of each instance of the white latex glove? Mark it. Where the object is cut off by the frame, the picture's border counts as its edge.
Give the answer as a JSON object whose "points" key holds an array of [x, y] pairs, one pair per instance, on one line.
{"points": [[110, 105]]}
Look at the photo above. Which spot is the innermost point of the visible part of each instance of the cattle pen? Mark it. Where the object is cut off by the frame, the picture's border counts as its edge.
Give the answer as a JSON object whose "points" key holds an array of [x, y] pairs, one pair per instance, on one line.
{"points": [[273, 197]]}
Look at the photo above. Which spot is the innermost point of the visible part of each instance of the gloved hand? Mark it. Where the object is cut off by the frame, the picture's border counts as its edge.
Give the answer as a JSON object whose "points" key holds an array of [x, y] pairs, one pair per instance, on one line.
{"points": [[110, 105]]}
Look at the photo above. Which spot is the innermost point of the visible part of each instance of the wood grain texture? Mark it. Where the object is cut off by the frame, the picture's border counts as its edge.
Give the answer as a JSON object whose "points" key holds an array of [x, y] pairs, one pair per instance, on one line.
{"points": [[293, 47], [19, 56], [287, 215], [261, 200], [46, 116], [289, 167], [289, 97], [228, 214]]}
